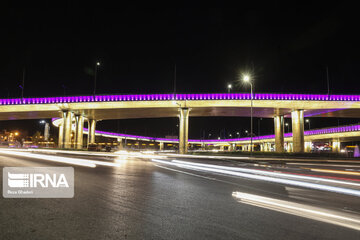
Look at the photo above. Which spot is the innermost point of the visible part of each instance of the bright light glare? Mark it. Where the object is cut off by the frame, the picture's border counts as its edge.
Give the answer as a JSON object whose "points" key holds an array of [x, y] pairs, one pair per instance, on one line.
{"points": [[98, 63], [246, 78], [229, 86], [302, 210]]}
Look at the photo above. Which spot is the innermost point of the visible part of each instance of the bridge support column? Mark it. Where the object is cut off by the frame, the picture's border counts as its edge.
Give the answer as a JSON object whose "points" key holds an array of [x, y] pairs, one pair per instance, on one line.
{"points": [[61, 135], [308, 146], [297, 118], [120, 143], [266, 147], [336, 145], [231, 147], [279, 133], [91, 131], [203, 146], [67, 124], [183, 130], [262, 147], [161, 146], [79, 131]]}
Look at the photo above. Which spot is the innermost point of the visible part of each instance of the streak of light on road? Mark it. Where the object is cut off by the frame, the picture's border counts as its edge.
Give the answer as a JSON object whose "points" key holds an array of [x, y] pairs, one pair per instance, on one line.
{"points": [[316, 186], [302, 210]]}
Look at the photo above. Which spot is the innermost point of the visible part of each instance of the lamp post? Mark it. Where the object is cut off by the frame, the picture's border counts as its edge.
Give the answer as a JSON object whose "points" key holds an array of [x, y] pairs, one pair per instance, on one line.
{"points": [[247, 79], [308, 121], [287, 126], [46, 131], [95, 75], [229, 88]]}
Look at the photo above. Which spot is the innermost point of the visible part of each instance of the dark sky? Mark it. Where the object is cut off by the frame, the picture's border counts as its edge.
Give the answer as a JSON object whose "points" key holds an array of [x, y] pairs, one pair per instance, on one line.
{"points": [[287, 49]]}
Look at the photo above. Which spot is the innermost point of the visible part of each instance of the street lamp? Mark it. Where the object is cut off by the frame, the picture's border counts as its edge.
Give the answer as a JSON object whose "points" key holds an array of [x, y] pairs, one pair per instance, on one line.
{"points": [[287, 126], [308, 121], [95, 75], [229, 88], [247, 80], [46, 130]]}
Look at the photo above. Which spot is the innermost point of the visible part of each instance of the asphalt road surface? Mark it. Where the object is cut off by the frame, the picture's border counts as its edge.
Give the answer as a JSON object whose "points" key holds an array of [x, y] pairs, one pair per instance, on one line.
{"points": [[144, 199]]}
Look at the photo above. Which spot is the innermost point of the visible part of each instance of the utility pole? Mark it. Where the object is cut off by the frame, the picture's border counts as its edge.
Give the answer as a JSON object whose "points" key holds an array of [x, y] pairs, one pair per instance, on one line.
{"points": [[327, 78], [23, 84], [174, 81]]}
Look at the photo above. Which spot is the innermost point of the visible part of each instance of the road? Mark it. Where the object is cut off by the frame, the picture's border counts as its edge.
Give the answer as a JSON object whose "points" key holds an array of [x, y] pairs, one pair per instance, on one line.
{"points": [[142, 198]]}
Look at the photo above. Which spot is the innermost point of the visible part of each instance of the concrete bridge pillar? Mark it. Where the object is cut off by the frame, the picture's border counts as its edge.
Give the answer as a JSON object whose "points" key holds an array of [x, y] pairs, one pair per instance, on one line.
{"points": [[336, 145], [297, 118], [231, 147], [161, 146], [308, 146], [183, 130], [91, 131], [279, 133], [61, 135], [67, 124], [120, 143], [79, 131]]}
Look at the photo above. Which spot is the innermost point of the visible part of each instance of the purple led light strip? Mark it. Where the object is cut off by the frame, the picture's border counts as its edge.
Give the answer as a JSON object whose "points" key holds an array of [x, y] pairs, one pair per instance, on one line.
{"points": [[350, 128], [169, 97]]}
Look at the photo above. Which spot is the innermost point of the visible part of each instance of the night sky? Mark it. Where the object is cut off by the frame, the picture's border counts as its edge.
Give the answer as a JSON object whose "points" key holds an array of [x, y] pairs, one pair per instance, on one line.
{"points": [[287, 49]]}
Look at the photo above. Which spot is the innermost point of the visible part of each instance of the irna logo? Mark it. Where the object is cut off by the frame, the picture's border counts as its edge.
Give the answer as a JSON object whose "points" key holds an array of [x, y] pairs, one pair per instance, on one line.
{"points": [[19, 180]]}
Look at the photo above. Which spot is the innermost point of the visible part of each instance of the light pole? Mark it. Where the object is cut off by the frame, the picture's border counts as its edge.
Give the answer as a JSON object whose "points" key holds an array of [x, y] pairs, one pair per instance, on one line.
{"points": [[229, 88], [247, 79], [287, 126], [46, 131], [95, 75], [308, 121]]}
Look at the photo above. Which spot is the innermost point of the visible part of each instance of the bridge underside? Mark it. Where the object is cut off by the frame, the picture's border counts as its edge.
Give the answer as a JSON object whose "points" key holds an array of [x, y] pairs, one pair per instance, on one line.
{"points": [[132, 113]]}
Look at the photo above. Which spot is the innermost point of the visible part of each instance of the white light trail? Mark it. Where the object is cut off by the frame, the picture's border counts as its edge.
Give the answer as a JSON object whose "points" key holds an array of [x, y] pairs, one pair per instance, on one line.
{"points": [[68, 160], [50, 158], [266, 178], [302, 210], [268, 173]]}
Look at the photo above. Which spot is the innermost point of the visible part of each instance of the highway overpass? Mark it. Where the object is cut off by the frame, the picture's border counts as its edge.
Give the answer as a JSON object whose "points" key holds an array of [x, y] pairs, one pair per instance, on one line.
{"points": [[334, 135], [103, 107]]}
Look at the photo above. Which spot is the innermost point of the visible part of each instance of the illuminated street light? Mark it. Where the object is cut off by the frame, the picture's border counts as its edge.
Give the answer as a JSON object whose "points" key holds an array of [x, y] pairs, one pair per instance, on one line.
{"points": [[287, 126], [246, 79], [229, 88], [16, 133], [308, 121], [46, 130]]}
